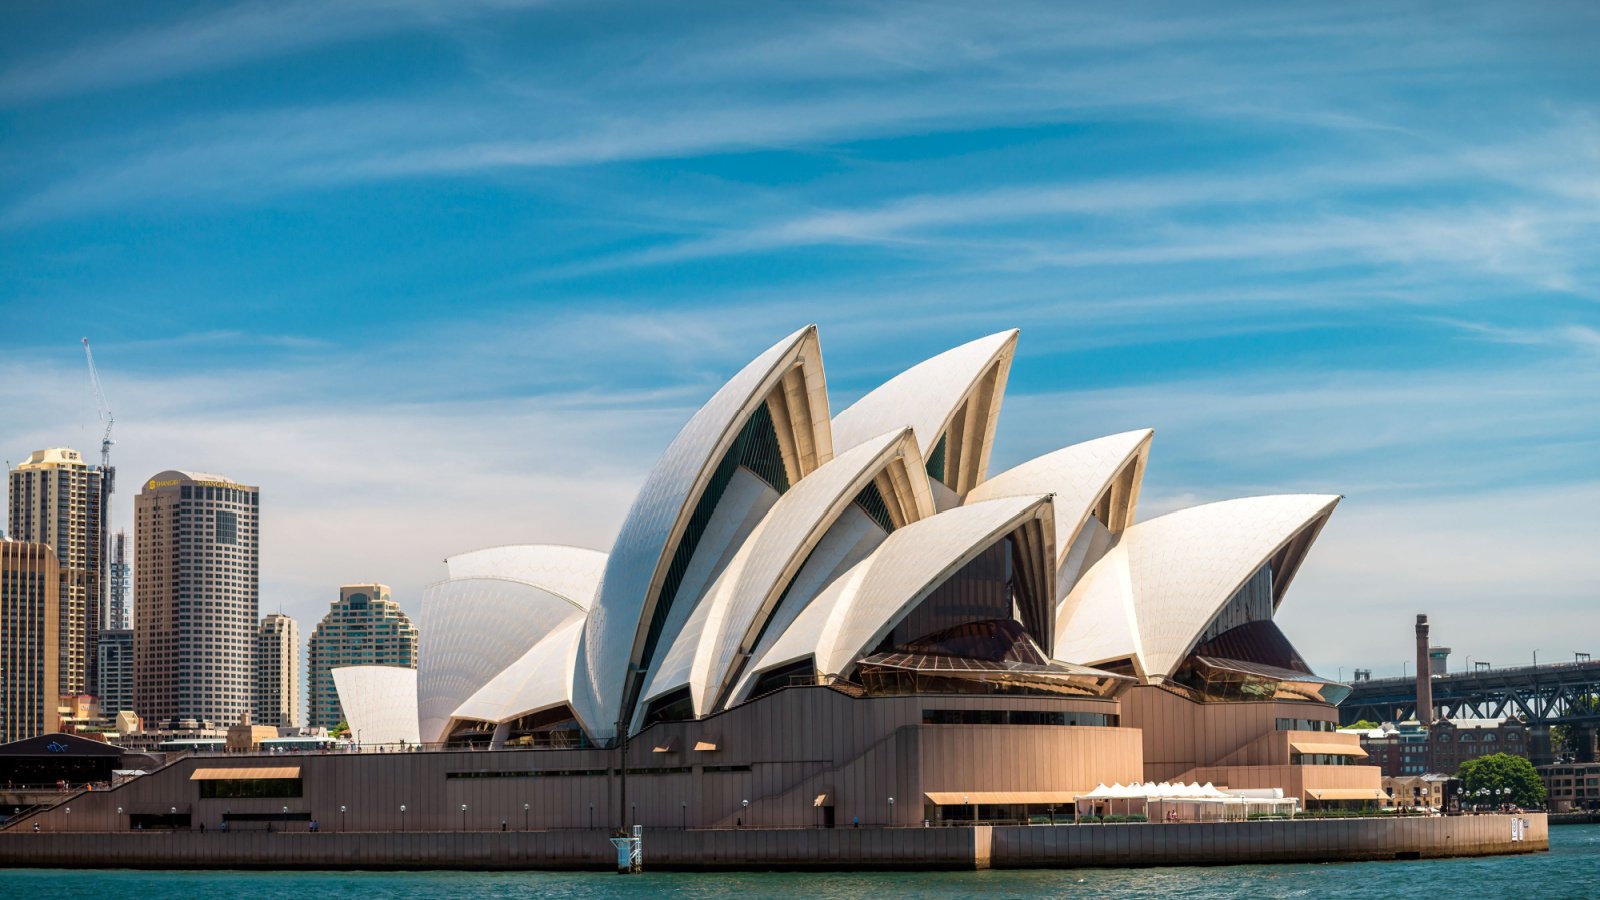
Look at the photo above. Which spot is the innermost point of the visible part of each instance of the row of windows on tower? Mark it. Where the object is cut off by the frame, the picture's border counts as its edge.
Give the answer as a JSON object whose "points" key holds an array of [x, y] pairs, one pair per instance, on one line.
{"points": [[226, 495]]}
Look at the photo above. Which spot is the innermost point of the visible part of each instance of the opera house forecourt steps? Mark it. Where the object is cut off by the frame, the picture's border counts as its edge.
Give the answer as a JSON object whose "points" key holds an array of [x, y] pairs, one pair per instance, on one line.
{"points": [[826, 638]]}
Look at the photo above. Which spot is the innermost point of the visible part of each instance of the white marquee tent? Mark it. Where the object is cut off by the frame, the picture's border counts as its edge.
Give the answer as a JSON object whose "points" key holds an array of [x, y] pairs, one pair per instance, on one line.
{"points": [[1182, 802]]}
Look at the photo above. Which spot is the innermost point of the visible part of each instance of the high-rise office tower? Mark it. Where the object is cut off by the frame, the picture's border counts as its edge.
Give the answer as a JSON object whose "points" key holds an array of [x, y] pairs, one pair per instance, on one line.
{"points": [[119, 612], [56, 500], [196, 577], [30, 580], [365, 627], [278, 672], [115, 671]]}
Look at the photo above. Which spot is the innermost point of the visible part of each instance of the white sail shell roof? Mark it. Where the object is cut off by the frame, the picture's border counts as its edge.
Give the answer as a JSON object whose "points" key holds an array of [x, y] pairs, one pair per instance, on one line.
{"points": [[1153, 595], [1078, 476], [928, 395], [861, 606], [614, 635], [805, 574], [470, 630], [539, 680], [570, 572], [379, 703], [729, 616]]}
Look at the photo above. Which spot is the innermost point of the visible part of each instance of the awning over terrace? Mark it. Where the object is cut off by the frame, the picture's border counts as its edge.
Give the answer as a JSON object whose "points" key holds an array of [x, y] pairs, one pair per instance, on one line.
{"points": [[1347, 794], [257, 774], [1001, 798], [1327, 749]]}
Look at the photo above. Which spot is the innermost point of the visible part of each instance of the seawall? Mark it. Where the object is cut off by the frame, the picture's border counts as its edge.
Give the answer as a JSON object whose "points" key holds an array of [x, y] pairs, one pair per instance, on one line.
{"points": [[1064, 846]]}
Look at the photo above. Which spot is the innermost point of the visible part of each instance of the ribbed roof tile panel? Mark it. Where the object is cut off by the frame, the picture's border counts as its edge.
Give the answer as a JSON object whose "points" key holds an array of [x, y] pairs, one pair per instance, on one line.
{"points": [[540, 679], [927, 395], [1154, 593], [380, 703], [570, 572]]}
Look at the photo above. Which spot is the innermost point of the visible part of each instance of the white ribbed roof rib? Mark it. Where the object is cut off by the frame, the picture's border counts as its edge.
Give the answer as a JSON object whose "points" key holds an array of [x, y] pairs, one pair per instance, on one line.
{"points": [[789, 374]]}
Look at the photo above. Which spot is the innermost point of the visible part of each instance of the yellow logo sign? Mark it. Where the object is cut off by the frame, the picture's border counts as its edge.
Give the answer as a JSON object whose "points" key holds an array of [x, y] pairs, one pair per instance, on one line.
{"points": [[153, 484]]}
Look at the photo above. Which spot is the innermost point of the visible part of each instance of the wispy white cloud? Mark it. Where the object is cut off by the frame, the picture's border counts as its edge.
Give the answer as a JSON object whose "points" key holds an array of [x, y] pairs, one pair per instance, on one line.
{"points": [[236, 35], [717, 88]]}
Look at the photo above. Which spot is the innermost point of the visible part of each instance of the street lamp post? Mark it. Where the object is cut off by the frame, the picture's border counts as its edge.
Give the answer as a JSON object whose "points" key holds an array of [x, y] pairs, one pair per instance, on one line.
{"points": [[342, 819], [746, 814], [463, 817], [69, 819], [524, 817], [684, 806], [891, 810], [402, 817], [591, 815]]}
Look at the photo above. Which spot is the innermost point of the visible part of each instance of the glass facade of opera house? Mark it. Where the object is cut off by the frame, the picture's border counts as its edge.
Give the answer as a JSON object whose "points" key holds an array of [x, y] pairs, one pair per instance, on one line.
{"points": [[815, 617]]}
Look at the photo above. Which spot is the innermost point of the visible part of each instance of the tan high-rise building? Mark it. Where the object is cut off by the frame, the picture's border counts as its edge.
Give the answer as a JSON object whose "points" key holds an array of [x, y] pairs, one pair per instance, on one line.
{"points": [[196, 579], [365, 627], [277, 700], [56, 499], [30, 581]]}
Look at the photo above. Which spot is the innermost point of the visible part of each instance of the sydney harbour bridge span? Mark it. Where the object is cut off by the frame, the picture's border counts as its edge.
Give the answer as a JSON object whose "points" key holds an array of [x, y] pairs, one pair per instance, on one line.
{"points": [[1549, 694]]}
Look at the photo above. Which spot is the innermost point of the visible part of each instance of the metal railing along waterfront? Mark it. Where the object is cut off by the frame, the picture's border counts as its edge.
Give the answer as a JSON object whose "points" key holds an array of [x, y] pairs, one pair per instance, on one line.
{"points": [[1489, 672]]}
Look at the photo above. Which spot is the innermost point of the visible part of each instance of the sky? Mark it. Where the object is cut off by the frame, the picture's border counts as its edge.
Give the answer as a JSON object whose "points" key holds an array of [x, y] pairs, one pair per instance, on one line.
{"points": [[444, 275]]}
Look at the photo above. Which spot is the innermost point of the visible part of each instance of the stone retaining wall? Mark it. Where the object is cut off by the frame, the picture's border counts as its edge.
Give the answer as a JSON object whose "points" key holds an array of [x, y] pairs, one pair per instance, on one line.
{"points": [[1063, 846], [1300, 840]]}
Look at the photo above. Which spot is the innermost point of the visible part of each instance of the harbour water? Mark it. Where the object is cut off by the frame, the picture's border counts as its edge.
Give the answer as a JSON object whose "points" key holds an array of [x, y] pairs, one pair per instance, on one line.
{"points": [[1570, 870]]}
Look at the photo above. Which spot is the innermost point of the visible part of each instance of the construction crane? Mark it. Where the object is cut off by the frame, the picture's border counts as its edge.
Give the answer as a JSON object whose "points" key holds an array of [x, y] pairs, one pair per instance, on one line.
{"points": [[108, 483], [103, 408]]}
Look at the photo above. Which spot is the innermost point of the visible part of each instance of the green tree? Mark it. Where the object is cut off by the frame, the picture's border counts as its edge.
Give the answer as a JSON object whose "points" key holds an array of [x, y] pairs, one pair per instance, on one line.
{"points": [[1565, 738], [1496, 773], [339, 730], [1364, 725]]}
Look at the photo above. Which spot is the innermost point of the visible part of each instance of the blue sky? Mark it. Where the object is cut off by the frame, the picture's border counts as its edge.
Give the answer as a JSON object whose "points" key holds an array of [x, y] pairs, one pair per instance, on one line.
{"points": [[446, 274]]}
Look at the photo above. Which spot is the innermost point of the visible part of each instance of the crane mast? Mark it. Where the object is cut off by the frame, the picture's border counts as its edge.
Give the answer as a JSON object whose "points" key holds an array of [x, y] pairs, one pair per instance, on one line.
{"points": [[108, 481], [101, 407]]}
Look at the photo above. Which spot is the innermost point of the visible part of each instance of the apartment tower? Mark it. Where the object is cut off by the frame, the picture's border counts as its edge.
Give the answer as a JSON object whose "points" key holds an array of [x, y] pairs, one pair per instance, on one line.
{"points": [[56, 500], [30, 581], [277, 698], [119, 609], [365, 627], [115, 671], [196, 579]]}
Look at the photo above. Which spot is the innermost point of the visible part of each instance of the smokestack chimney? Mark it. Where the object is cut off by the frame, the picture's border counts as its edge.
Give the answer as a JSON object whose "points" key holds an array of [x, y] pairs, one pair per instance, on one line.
{"points": [[1424, 674]]}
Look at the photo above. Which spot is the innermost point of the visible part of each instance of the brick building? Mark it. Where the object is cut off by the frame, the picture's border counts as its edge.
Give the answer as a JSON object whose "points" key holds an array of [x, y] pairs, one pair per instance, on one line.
{"points": [[1410, 748]]}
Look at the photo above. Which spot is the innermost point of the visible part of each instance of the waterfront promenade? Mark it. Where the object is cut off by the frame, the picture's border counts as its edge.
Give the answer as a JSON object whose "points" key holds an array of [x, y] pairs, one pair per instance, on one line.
{"points": [[957, 848]]}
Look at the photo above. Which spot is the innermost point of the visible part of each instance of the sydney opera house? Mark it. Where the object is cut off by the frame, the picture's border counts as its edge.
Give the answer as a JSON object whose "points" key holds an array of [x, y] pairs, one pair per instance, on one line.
{"points": [[814, 617]]}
